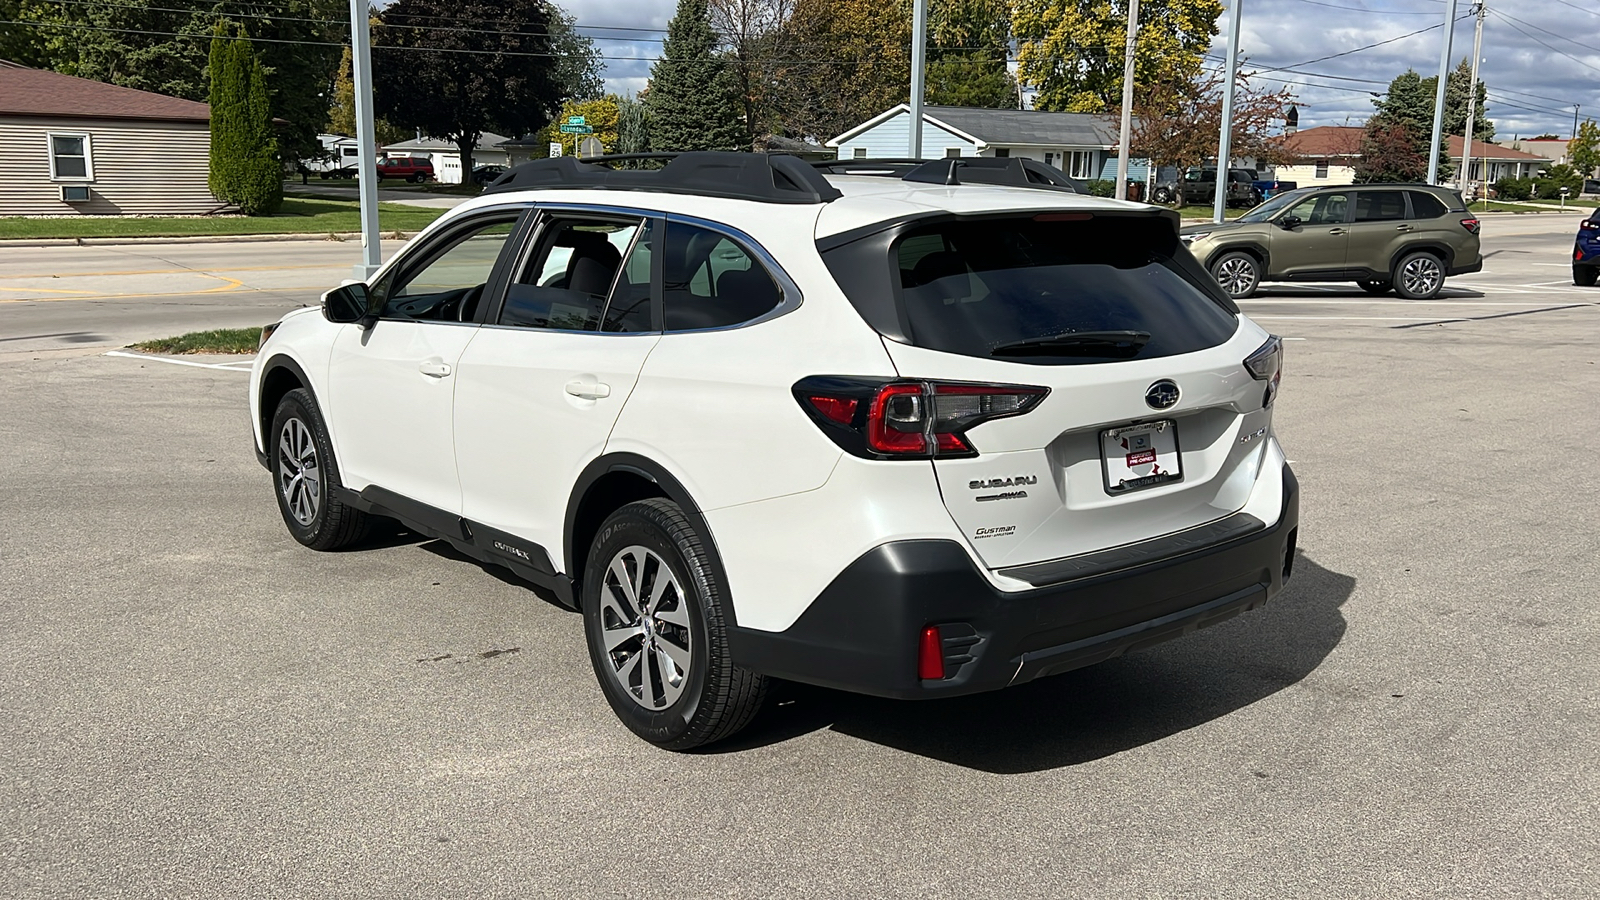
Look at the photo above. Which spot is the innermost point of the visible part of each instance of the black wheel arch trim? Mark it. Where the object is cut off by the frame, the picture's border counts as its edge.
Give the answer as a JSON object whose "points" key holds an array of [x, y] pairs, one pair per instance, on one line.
{"points": [[1441, 250], [1254, 249], [641, 467], [279, 361]]}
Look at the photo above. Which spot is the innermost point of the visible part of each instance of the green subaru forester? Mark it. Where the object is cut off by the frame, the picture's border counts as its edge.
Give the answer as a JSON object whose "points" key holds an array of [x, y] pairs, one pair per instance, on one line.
{"points": [[1401, 237]]}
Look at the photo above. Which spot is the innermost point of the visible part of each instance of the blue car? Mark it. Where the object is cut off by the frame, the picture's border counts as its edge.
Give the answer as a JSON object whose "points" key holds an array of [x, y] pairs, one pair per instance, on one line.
{"points": [[1586, 251]]}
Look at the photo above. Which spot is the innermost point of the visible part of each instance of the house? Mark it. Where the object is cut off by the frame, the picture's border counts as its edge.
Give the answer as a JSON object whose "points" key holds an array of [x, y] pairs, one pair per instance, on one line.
{"points": [[1079, 144], [1329, 154], [79, 147]]}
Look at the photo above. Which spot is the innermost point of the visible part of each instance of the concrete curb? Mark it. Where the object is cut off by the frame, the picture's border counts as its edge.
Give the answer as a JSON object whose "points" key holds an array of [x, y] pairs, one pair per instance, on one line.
{"points": [[200, 239]]}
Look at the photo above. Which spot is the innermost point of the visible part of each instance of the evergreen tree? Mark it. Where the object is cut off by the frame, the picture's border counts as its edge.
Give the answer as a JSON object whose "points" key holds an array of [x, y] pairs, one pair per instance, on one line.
{"points": [[694, 101], [244, 151], [1408, 106], [227, 98], [633, 126]]}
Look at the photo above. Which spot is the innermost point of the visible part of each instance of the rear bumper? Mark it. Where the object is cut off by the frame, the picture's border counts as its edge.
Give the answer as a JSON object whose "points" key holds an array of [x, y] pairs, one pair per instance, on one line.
{"points": [[1468, 269], [861, 633]]}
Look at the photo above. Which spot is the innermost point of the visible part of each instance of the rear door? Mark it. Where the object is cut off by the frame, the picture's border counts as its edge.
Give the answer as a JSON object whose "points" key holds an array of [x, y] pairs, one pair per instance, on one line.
{"points": [[1378, 230], [1131, 441], [542, 383]]}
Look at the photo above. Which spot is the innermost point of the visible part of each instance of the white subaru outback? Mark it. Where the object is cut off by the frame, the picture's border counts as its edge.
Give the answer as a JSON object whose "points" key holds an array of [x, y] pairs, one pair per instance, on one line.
{"points": [[914, 433]]}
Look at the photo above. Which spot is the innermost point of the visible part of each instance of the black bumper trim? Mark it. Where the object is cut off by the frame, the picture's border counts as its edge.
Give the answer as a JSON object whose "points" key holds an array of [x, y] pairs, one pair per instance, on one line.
{"points": [[1128, 556], [1453, 271], [860, 634]]}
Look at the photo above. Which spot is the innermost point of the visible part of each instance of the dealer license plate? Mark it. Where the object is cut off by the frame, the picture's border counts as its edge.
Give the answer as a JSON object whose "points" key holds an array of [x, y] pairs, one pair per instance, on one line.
{"points": [[1141, 456]]}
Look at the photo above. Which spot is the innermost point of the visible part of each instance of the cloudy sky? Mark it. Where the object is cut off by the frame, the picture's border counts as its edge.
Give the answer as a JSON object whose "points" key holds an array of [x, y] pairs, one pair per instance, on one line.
{"points": [[1539, 56]]}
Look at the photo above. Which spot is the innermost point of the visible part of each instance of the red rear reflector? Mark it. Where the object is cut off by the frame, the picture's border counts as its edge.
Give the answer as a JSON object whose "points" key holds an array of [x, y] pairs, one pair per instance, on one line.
{"points": [[1063, 217], [930, 654], [1577, 254], [837, 409]]}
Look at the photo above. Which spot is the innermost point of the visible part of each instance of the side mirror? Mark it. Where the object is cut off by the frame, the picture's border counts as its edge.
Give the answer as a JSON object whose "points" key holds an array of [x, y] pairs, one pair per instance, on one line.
{"points": [[1289, 222], [346, 304]]}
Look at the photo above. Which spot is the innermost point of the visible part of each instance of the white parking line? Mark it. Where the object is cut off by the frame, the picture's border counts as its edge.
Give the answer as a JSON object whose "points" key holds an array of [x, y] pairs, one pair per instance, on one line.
{"points": [[1313, 301], [226, 367]]}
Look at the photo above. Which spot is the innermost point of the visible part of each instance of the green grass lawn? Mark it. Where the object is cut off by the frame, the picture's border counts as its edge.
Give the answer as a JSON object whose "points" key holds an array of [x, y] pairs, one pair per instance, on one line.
{"points": [[222, 340], [299, 215]]}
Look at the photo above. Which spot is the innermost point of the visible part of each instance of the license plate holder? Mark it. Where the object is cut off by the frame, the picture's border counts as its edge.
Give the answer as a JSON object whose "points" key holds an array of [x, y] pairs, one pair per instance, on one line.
{"points": [[1140, 456]]}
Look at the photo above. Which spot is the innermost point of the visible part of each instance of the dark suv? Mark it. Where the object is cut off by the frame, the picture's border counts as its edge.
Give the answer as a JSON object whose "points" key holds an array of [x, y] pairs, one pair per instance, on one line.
{"points": [[1199, 185], [1586, 251], [1401, 237]]}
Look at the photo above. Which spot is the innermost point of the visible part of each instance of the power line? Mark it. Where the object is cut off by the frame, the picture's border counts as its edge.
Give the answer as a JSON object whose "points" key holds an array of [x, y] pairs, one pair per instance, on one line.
{"points": [[1376, 12], [1359, 49], [1512, 22]]}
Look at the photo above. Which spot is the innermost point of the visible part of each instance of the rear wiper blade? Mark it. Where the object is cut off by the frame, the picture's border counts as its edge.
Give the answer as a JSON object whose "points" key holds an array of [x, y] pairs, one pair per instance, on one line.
{"points": [[1077, 343]]}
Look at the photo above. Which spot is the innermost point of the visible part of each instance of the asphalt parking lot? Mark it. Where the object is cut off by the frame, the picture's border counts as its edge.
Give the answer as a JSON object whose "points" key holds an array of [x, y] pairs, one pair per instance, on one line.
{"points": [[192, 704]]}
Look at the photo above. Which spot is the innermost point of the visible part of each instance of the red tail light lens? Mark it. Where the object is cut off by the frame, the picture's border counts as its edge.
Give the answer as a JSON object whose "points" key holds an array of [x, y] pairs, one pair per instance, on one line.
{"points": [[930, 654], [909, 419], [1266, 364], [1589, 225], [1470, 224]]}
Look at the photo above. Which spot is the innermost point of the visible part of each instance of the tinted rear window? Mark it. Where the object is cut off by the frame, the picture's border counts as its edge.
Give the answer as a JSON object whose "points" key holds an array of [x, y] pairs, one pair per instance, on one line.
{"points": [[972, 286], [1426, 206]]}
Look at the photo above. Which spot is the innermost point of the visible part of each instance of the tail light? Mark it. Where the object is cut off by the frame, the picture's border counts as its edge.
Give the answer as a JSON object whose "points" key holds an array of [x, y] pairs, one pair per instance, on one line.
{"points": [[879, 419], [1589, 225], [1471, 224], [1266, 364]]}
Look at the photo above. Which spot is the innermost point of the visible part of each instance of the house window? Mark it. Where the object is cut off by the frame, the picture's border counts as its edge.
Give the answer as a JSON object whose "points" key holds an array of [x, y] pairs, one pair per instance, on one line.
{"points": [[1002, 152], [1322, 168], [859, 153], [1078, 163], [1049, 158], [69, 158], [952, 152]]}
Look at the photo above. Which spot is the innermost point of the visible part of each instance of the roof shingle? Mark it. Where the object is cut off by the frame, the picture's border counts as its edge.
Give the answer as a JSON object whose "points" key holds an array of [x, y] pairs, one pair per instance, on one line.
{"points": [[35, 92]]}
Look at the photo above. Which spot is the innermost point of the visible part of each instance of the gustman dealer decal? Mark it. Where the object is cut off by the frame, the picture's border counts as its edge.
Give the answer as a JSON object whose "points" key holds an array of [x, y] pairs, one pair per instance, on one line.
{"points": [[997, 531]]}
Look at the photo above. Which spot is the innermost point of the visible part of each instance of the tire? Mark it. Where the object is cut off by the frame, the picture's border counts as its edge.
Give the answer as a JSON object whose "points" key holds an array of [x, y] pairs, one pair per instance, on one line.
{"points": [[1238, 273], [1162, 195], [1376, 287], [1585, 276], [417, 179], [1419, 276], [299, 446], [687, 626]]}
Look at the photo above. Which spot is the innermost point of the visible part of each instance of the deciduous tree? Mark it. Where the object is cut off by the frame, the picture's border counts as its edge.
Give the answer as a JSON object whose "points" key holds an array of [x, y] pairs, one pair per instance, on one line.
{"points": [[848, 61], [1071, 51], [1389, 153], [342, 111], [491, 71], [1179, 124], [1584, 149], [694, 98]]}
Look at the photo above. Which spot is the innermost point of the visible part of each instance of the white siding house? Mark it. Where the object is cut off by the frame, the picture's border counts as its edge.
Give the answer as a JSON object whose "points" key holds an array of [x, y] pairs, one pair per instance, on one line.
{"points": [[79, 147], [1078, 144]]}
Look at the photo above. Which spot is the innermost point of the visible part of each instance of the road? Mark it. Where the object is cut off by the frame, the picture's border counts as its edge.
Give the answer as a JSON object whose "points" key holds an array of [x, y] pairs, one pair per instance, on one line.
{"points": [[194, 705]]}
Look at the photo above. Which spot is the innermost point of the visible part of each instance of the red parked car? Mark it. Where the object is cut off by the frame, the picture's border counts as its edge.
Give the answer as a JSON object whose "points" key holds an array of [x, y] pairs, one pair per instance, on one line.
{"points": [[413, 169]]}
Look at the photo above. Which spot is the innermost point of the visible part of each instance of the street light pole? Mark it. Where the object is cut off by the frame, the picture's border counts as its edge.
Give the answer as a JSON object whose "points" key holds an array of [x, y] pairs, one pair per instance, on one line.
{"points": [[919, 65], [1225, 144], [1127, 102], [366, 141], [1438, 93]]}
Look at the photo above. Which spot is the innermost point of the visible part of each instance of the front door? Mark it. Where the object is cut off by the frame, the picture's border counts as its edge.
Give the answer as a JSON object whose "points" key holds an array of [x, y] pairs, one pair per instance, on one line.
{"points": [[1317, 243], [541, 385], [391, 387]]}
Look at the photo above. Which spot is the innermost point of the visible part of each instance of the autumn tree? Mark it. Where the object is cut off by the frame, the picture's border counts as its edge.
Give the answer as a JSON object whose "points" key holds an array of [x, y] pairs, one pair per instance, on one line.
{"points": [[342, 111], [1179, 123], [1071, 51], [1584, 149], [1389, 153], [848, 61], [494, 72], [694, 98], [601, 114]]}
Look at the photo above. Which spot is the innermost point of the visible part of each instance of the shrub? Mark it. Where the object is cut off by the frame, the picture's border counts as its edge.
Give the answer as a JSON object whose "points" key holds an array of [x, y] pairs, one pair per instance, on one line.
{"points": [[1513, 189], [1101, 187]]}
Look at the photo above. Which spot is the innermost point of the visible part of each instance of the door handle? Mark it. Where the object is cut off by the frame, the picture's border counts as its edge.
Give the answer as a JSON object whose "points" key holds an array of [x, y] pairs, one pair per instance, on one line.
{"points": [[1336, 231], [1402, 228], [588, 390], [434, 369]]}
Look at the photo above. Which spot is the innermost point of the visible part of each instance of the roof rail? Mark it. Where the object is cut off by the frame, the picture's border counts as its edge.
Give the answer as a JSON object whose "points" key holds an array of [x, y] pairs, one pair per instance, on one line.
{"points": [[762, 177], [889, 166], [1013, 171]]}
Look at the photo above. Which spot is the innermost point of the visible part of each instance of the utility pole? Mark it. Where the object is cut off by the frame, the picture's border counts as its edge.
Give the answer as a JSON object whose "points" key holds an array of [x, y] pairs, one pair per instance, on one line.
{"points": [[1225, 145], [366, 142], [1127, 102], [919, 66], [1438, 93], [1575, 119], [1472, 102]]}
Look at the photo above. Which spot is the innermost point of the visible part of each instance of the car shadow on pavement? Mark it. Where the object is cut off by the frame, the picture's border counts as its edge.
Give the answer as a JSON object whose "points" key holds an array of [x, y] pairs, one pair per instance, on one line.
{"points": [[1095, 712], [1280, 290]]}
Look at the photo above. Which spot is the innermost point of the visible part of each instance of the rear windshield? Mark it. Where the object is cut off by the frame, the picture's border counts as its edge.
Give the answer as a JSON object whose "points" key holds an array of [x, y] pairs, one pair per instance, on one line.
{"points": [[1053, 292]]}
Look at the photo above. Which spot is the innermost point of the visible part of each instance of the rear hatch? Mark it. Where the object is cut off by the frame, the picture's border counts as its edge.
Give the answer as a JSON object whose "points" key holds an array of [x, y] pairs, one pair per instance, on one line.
{"points": [[1152, 424]]}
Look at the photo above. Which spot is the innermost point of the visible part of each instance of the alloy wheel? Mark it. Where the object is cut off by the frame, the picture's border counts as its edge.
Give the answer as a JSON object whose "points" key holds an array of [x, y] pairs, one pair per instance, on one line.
{"points": [[1421, 275], [299, 475], [1237, 276], [644, 622]]}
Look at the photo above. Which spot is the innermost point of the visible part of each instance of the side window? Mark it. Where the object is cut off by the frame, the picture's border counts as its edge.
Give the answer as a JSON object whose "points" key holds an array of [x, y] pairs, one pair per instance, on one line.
{"points": [[1323, 209], [1380, 206], [584, 275], [712, 282], [449, 286], [1426, 206]]}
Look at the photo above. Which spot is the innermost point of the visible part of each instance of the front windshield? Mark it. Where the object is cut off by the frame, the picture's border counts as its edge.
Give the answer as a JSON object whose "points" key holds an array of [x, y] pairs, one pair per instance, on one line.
{"points": [[1266, 210]]}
